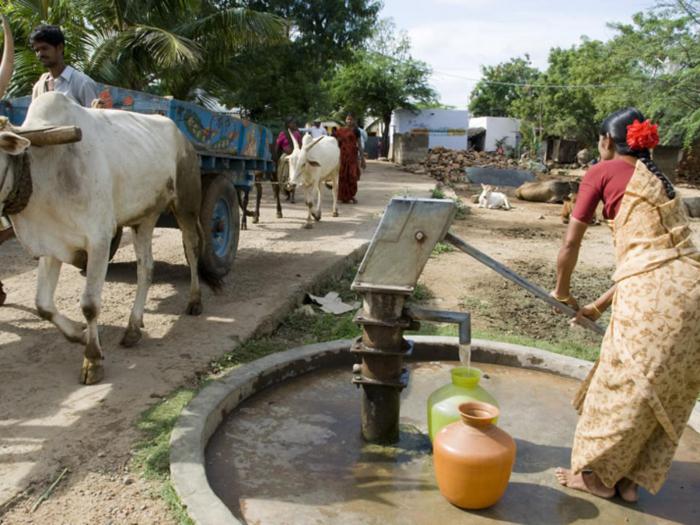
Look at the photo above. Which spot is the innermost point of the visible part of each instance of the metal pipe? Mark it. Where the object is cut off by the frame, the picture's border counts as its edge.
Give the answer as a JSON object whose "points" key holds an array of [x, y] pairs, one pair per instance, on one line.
{"points": [[461, 319]]}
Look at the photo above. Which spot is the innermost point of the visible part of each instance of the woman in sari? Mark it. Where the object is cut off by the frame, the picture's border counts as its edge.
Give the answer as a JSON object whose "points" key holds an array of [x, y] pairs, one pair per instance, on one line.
{"points": [[351, 160], [639, 395]]}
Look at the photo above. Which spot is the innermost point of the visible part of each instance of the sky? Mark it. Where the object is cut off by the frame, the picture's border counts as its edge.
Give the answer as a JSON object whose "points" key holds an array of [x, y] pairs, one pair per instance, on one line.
{"points": [[456, 37]]}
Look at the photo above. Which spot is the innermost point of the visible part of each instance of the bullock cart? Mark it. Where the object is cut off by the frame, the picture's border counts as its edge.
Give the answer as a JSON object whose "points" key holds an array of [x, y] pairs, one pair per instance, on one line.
{"points": [[230, 150]]}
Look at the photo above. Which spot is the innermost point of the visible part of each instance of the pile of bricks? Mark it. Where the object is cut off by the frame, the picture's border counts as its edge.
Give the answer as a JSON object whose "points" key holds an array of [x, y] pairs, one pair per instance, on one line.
{"points": [[448, 165]]}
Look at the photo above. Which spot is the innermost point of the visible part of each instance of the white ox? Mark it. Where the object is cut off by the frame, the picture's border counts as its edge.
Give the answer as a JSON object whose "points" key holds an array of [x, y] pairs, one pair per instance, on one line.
{"points": [[314, 163], [67, 201]]}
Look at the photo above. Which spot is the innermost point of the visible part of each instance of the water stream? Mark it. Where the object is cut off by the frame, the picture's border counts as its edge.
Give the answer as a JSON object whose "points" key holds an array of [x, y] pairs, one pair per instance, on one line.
{"points": [[465, 355]]}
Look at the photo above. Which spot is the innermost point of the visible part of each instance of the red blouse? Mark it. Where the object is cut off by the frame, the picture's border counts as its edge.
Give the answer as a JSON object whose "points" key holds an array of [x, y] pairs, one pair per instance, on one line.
{"points": [[605, 181]]}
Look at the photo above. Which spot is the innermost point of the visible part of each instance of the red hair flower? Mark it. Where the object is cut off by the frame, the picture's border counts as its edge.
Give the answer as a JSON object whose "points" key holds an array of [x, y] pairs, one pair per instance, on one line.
{"points": [[642, 135]]}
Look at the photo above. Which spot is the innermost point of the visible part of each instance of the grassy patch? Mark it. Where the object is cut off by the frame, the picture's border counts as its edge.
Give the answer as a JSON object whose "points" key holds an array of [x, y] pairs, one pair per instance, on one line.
{"points": [[573, 348], [462, 209], [569, 348], [151, 456], [422, 293], [440, 248], [296, 330], [437, 193]]}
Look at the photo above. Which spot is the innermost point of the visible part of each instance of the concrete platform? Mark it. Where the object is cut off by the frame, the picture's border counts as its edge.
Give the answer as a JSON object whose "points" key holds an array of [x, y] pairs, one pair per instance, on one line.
{"points": [[292, 454]]}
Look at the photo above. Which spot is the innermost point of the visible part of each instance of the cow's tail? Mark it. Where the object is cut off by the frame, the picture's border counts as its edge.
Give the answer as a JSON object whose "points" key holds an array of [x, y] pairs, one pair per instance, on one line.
{"points": [[212, 280]]}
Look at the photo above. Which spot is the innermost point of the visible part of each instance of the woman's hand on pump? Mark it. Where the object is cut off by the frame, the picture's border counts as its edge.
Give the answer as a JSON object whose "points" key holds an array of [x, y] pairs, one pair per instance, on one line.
{"points": [[589, 311]]}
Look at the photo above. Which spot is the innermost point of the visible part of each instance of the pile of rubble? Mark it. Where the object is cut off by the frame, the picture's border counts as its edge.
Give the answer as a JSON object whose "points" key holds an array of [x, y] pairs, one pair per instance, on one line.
{"points": [[447, 165]]}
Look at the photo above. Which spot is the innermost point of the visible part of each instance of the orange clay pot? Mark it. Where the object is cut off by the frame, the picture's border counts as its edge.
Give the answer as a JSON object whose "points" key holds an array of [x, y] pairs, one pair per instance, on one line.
{"points": [[473, 458]]}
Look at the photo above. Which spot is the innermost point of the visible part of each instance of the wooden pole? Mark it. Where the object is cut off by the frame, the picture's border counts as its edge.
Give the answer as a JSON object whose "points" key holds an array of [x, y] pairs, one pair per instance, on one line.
{"points": [[51, 136]]}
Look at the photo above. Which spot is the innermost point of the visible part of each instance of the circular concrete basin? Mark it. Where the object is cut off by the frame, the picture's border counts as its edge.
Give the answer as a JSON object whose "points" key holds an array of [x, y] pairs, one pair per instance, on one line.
{"points": [[286, 446]]}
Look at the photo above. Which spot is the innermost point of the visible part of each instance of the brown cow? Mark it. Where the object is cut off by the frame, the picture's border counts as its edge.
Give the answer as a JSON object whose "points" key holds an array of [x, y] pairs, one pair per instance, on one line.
{"points": [[568, 208]]}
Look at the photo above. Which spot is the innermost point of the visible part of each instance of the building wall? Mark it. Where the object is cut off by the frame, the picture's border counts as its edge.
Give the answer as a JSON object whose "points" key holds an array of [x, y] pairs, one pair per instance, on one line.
{"points": [[444, 127], [497, 128], [408, 148]]}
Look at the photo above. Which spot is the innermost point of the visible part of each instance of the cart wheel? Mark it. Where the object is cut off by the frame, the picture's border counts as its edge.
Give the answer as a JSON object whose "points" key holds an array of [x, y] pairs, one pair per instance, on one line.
{"points": [[113, 247], [221, 223]]}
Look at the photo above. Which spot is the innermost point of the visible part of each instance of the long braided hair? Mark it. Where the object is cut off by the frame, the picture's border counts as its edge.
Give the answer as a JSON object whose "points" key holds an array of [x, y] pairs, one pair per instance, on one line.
{"points": [[617, 126]]}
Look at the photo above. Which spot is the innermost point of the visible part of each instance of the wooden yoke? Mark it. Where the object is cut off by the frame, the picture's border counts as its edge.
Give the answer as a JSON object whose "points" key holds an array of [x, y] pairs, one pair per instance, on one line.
{"points": [[51, 136]]}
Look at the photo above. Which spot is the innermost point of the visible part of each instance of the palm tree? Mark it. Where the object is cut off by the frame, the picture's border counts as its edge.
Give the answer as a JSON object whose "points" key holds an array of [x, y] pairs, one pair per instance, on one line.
{"points": [[23, 16], [173, 47]]}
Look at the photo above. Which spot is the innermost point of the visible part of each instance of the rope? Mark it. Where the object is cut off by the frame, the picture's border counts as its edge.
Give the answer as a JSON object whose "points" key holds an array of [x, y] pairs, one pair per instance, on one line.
{"points": [[18, 198]]}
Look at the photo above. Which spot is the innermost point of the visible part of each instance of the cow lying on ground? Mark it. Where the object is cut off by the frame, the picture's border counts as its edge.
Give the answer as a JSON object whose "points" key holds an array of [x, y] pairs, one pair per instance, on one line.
{"points": [[127, 169], [552, 191], [315, 162]]}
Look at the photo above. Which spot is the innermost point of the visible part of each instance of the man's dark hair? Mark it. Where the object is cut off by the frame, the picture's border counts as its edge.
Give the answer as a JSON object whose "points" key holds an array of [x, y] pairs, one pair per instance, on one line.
{"points": [[51, 35]]}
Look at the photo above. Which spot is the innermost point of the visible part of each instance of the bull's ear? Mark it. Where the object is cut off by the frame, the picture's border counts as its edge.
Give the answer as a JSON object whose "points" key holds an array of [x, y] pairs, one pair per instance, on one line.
{"points": [[13, 144]]}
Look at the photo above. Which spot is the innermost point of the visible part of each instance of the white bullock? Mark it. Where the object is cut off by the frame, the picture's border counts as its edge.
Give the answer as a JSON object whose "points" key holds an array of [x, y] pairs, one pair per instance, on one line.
{"points": [[317, 161], [66, 202]]}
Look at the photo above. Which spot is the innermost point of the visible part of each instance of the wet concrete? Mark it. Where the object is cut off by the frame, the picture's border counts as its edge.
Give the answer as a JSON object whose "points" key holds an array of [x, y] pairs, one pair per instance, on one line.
{"points": [[293, 455]]}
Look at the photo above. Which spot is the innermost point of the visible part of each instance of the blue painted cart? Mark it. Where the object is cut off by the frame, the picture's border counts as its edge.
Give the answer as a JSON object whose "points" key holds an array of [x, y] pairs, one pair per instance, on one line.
{"points": [[231, 151]]}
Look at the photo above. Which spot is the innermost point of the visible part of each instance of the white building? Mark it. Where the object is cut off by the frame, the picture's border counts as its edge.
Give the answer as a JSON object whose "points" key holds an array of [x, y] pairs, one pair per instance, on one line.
{"points": [[484, 132], [444, 127]]}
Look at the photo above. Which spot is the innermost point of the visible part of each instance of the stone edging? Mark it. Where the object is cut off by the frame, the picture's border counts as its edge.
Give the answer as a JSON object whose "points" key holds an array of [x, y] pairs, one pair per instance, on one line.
{"points": [[202, 416]]}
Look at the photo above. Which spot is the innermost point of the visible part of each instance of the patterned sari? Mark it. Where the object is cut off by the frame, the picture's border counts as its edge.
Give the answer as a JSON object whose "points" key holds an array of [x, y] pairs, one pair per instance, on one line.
{"points": [[636, 401]]}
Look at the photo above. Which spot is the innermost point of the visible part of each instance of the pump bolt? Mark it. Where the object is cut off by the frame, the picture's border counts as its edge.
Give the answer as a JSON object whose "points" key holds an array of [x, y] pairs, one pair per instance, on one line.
{"points": [[420, 236]]}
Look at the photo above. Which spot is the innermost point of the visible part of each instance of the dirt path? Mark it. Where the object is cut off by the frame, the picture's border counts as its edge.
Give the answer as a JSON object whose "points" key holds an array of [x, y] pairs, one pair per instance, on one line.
{"points": [[48, 421]]}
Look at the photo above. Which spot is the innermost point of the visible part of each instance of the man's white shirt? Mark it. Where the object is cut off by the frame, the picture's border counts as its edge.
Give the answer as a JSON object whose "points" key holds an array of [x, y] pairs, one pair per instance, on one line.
{"points": [[72, 83]]}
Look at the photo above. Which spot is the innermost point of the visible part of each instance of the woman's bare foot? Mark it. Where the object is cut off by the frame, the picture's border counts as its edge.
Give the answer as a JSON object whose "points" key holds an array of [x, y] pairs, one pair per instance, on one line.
{"points": [[628, 490], [585, 482]]}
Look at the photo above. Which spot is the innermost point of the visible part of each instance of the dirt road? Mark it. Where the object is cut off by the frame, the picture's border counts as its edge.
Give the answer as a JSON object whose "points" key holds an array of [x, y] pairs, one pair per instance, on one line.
{"points": [[49, 421]]}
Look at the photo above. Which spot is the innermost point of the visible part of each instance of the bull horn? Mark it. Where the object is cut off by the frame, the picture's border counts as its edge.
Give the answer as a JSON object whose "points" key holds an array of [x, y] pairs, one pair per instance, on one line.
{"points": [[294, 140], [51, 136], [314, 143], [8, 57]]}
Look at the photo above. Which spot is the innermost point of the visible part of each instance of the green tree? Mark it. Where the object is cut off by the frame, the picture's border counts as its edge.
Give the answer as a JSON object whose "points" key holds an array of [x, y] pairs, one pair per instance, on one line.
{"points": [[652, 63], [174, 47], [377, 84], [273, 81], [665, 42], [383, 78], [23, 16], [501, 86]]}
